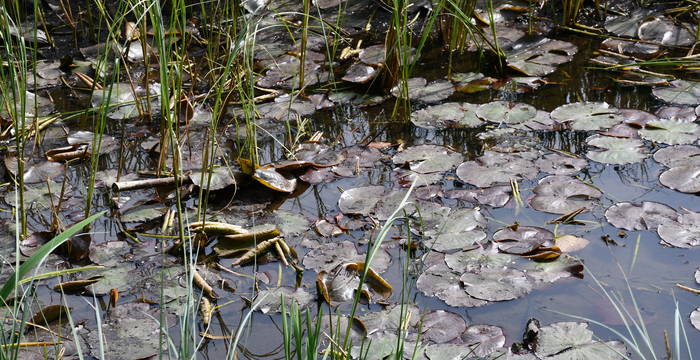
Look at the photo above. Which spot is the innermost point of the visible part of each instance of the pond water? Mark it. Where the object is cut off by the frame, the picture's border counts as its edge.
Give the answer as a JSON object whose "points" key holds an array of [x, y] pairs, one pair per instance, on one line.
{"points": [[360, 169]]}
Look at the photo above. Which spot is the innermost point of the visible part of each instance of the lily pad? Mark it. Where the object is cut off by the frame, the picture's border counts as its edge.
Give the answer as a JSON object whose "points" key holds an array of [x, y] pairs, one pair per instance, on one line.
{"points": [[682, 233], [562, 195], [506, 112], [420, 90], [447, 115], [559, 164], [616, 150], [489, 338], [360, 74], [143, 213], [218, 178], [680, 92], [496, 284], [427, 159], [571, 340], [121, 100], [679, 155], [645, 216], [685, 179], [389, 320], [272, 179], [665, 32], [360, 201], [677, 113], [587, 115], [695, 318], [539, 57], [34, 106], [445, 229], [522, 239], [270, 301], [496, 196], [440, 281], [494, 168], [441, 326], [670, 132]]}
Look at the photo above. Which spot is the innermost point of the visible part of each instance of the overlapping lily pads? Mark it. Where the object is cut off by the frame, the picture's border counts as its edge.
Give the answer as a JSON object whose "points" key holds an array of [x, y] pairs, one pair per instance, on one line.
{"points": [[447, 115], [563, 194], [497, 168], [683, 232]]}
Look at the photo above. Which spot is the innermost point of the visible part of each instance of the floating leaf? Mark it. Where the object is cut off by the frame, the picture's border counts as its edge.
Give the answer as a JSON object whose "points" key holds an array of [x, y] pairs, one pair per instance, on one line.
{"points": [[359, 74], [360, 200], [587, 115], [695, 318], [440, 281], [666, 32], [373, 55], [143, 213], [682, 233], [447, 115], [627, 24], [420, 90], [670, 132], [390, 319], [539, 57], [427, 159], [645, 216], [34, 106], [506, 112], [677, 113], [559, 164], [218, 178], [685, 179], [439, 326], [445, 229], [571, 340], [121, 100], [616, 150], [522, 239], [270, 301], [36, 173], [496, 284], [488, 339], [494, 167], [272, 179], [570, 243], [681, 92], [679, 155], [496, 196], [562, 195]]}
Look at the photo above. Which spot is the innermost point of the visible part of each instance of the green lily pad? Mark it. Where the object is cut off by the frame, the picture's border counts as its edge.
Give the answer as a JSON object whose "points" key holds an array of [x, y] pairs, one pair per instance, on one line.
{"points": [[587, 115], [447, 115], [645, 216], [445, 229], [440, 281], [496, 284], [439, 326], [388, 321], [121, 101], [677, 113], [616, 150], [695, 318], [670, 132], [522, 239], [143, 213], [506, 112]]}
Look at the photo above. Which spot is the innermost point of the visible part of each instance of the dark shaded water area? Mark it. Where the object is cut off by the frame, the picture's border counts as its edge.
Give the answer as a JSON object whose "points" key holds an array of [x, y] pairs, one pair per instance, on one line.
{"points": [[617, 259]]}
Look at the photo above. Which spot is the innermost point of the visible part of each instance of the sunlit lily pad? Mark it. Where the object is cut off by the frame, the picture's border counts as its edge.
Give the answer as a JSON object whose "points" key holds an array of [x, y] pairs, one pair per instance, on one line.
{"points": [[360, 201], [670, 132], [685, 178], [571, 340], [627, 24], [389, 320], [220, 177], [447, 115], [34, 106], [143, 213], [539, 57], [506, 112], [284, 73], [559, 164], [121, 101], [681, 92], [645, 216], [679, 155], [420, 90], [677, 113], [616, 150], [428, 158], [270, 301], [341, 283], [587, 115], [441, 326], [440, 281], [666, 32], [695, 318], [360, 74], [488, 339], [272, 179], [494, 168], [682, 233], [445, 229], [496, 284], [496, 196], [562, 195], [373, 55], [522, 239]]}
